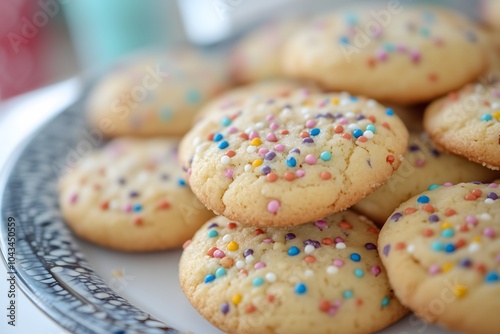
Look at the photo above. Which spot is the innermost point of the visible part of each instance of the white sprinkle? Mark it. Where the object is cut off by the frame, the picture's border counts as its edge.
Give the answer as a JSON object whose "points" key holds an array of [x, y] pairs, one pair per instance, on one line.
{"points": [[489, 201], [350, 114], [142, 177], [410, 248], [248, 168], [368, 134], [113, 204], [371, 103], [485, 216], [271, 277], [309, 249], [225, 160], [332, 270], [304, 110], [240, 264], [474, 247], [286, 111], [196, 141], [353, 127], [495, 105], [249, 259], [309, 273], [259, 125], [227, 238], [251, 149], [340, 245]]}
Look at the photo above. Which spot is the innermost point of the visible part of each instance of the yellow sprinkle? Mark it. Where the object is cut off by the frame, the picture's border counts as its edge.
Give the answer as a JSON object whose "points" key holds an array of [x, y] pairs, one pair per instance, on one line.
{"points": [[335, 101], [445, 225], [460, 290], [307, 103], [476, 239], [496, 114], [117, 273], [232, 246], [236, 299], [257, 163], [447, 267], [256, 142]]}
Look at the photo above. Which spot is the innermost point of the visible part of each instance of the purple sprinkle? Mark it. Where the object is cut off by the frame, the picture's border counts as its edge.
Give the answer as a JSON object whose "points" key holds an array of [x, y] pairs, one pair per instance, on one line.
{"points": [[370, 246], [465, 263], [433, 218], [295, 150], [386, 250], [414, 148], [270, 156], [360, 117], [213, 225], [265, 170], [325, 115], [321, 224], [270, 101], [224, 308], [315, 243], [164, 177], [435, 152], [476, 182], [289, 236], [121, 180], [395, 217], [493, 196], [338, 115], [134, 194], [307, 140], [248, 252]]}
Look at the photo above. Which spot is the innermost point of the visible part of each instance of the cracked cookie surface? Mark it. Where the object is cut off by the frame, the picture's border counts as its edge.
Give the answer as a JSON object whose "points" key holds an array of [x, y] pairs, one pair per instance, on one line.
{"points": [[279, 162], [441, 250]]}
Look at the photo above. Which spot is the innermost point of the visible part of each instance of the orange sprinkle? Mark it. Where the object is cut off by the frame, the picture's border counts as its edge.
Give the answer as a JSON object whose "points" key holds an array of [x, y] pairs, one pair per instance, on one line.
{"points": [[227, 262], [284, 132], [250, 308], [97, 187], [163, 204], [477, 192], [460, 243], [271, 177], [258, 231], [362, 139], [428, 232], [359, 302], [449, 212], [304, 134], [289, 176], [243, 272], [470, 197], [386, 125], [371, 62], [244, 136], [433, 77], [373, 230], [345, 225], [464, 228], [428, 208], [138, 221], [310, 259], [325, 175], [372, 118], [210, 136], [390, 159], [481, 268], [409, 211], [327, 241], [271, 298], [346, 136], [338, 129], [324, 305], [400, 245], [231, 153], [231, 225], [211, 251], [104, 205]]}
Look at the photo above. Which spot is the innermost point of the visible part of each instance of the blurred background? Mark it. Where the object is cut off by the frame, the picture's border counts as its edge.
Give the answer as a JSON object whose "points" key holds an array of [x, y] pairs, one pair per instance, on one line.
{"points": [[45, 41]]}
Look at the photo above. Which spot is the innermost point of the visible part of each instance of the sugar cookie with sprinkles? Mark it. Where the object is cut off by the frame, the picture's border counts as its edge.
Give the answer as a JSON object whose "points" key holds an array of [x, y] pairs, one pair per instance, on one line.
{"points": [[441, 251], [398, 55], [155, 93], [467, 123], [131, 196], [321, 277], [281, 163], [423, 164], [257, 55]]}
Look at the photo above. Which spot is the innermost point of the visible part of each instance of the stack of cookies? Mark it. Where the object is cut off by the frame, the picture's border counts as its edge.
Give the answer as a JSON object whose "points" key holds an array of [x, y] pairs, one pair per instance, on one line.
{"points": [[369, 118]]}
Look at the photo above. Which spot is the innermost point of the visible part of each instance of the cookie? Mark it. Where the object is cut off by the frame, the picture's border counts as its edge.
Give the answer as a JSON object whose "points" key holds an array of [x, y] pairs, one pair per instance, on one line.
{"points": [[131, 196], [156, 93], [442, 255], [493, 40], [257, 55], [490, 13], [424, 164], [281, 163], [396, 55], [467, 123], [321, 277]]}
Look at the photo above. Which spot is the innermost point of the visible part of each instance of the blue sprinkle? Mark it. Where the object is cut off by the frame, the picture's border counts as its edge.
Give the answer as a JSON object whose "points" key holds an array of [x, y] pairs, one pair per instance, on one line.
{"points": [[423, 199], [355, 257], [181, 182], [492, 277], [220, 272], [137, 207], [347, 294], [291, 162], [437, 246], [433, 186], [449, 248], [212, 233], [166, 114], [389, 47], [225, 121], [447, 233], [314, 132], [371, 127], [209, 278], [486, 117], [389, 112], [357, 133], [359, 272], [218, 137], [223, 144], [292, 251], [325, 156], [258, 281], [385, 302], [193, 96], [300, 288], [344, 40]]}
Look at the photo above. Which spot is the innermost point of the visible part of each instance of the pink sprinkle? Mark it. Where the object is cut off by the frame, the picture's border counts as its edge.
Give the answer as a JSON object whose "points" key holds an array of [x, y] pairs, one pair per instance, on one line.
{"points": [[401, 48], [219, 254], [415, 56], [343, 121], [310, 159], [274, 126], [434, 269], [233, 129], [338, 263], [279, 148], [321, 104], [271, 137], [189, 171], [310, 123], [262, 151], [228, 173], [381, 55], [269, 118], [448, 184], [438, 41], [73, 198], [268, 241], [321, 224], [419, 163], [253, 134], [497, 258], [127, 207], [300, 173], [273, 206], [375, 270], [493, 185], [259, 265], [489, 232], [338, 239], [471, 220]]}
